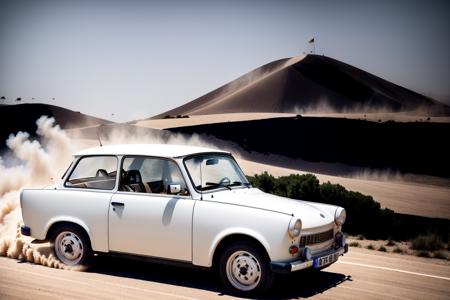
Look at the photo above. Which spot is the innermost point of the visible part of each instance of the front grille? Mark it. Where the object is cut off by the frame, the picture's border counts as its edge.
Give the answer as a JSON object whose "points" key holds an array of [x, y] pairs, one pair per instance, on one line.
{"points": [[316, 238]]}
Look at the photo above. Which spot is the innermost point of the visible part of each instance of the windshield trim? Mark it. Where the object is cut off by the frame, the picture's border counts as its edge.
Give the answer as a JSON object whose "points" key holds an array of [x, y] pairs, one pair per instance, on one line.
{"points": [[219, 188]]}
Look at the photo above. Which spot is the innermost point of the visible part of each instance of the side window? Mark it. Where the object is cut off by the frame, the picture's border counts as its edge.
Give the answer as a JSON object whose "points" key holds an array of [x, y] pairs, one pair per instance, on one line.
{"points": [[152, 175], [94, 172]]}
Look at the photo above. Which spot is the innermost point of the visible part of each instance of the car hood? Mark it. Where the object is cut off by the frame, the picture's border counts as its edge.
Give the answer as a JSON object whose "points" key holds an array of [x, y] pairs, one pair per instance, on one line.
{"points": [[312, 214]]}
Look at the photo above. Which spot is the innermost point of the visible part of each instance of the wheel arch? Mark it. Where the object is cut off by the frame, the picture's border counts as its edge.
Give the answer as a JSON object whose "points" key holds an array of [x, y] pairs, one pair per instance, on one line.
{"points": [[53, 224], [232, 238]]}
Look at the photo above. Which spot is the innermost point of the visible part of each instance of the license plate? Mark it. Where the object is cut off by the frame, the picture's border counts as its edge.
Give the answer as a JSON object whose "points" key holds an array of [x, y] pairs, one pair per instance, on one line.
{"points": [[326, 260]]}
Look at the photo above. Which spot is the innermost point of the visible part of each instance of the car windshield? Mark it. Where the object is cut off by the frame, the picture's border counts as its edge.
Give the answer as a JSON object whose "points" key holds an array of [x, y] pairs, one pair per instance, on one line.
{"points": [[214, 171]]}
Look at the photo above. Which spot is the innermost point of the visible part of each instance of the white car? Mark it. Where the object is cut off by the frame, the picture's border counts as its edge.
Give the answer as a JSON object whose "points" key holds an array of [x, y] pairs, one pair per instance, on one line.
{"points": [[186, 205]]}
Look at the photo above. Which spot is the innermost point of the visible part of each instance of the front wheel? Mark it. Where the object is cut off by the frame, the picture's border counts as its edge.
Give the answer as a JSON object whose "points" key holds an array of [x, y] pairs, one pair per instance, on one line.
{"points": [[71, 245], [244, 269]]}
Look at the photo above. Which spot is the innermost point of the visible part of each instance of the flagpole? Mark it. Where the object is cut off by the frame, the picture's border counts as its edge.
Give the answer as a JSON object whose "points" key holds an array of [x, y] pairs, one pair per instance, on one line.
{"points": [[313, 42]]}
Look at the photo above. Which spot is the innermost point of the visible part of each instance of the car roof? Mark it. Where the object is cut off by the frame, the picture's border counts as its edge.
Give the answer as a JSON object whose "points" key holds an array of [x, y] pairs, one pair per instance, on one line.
{"points": [[160, 150]]}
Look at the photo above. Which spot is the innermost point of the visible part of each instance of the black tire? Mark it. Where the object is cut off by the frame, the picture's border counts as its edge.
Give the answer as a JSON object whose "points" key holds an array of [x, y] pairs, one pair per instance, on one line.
{"points": [[71, 245], [253, 277]]}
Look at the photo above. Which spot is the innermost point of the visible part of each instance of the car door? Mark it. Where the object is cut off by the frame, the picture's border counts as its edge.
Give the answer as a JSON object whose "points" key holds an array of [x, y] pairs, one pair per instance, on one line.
{"points": [[144, 218], [85, 197]]}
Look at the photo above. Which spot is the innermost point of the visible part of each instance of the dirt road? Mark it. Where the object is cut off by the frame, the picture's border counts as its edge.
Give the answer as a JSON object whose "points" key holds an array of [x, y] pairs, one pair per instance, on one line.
{"points": [[362, 274]]}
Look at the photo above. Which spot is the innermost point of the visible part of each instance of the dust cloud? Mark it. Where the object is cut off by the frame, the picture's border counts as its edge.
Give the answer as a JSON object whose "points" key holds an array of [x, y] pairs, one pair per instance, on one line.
{"points": [[323, 106], [374, 113], [30, 164], [112, 134]]}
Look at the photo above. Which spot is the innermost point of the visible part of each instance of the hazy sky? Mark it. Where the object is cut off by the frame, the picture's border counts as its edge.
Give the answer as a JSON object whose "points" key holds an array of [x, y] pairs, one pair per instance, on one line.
{"points": [[139, 58]]}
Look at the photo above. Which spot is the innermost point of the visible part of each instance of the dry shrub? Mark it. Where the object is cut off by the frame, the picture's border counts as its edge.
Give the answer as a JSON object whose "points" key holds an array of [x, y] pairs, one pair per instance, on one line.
{"points": [[429, 242]]}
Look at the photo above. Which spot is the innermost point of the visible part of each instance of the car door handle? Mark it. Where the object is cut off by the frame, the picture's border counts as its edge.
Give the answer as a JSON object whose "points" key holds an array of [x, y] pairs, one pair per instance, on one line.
{"points": [[117, 204]]}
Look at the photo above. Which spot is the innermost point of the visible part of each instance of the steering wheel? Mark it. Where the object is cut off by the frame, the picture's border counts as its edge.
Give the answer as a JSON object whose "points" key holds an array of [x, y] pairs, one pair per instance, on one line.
{"points": [[101, 173], [223, 180]]}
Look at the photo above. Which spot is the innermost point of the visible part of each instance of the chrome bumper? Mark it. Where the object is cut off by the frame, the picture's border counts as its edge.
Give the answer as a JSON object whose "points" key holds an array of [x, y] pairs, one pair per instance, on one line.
{"points": [[288, 267]]}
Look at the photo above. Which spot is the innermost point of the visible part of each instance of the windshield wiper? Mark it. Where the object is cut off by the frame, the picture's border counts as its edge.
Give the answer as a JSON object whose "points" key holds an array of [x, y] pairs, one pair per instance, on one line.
{"points": [[209, 185], [219, 185], [238, 183]]}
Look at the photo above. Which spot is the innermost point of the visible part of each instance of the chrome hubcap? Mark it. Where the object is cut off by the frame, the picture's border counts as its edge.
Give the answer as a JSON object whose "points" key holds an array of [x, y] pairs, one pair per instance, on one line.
{"points": [[243, 270], [69, 248]]}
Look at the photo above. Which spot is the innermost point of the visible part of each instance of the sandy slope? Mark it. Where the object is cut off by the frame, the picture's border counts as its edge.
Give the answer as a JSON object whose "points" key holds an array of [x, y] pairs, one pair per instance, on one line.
{"points": [[382, 116], [235, 117], [208, 119], [403, 197]]}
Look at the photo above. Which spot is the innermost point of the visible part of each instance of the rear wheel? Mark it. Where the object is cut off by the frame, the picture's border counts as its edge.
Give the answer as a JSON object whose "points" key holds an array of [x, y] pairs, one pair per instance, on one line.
{"points": [[71, 245], [245, 270]]}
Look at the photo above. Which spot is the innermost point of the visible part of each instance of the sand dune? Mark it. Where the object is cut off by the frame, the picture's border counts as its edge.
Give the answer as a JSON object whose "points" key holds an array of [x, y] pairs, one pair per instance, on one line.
{"points": [[208, 119], [308, 83], [236, 117], [22, 117], [65, 118]]}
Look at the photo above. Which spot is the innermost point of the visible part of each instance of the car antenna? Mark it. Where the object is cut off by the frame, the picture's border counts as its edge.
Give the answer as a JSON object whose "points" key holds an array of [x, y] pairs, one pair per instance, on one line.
{"points": [[201, 181], [98, 135]]}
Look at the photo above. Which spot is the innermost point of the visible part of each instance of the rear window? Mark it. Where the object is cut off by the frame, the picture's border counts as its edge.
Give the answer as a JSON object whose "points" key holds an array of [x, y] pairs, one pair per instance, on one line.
{"points": [[94, 172]]}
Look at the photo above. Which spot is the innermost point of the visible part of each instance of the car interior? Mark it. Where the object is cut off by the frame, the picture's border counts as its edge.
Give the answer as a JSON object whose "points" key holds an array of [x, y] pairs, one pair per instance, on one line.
{"points": [[147, 175]]}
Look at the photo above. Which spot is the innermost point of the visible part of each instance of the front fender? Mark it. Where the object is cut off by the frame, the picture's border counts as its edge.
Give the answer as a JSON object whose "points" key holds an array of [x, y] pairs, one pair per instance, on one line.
{"points": [[214, 221], [236, 231]]}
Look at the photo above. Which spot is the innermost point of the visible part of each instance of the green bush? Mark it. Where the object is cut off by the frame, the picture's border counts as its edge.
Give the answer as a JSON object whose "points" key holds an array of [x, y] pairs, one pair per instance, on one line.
{"points": [[362, 211], [398, 250], [423, 253], [429, 242], [370, 247], [390, 243], [440, 254], [354, 244], [382, 249]]}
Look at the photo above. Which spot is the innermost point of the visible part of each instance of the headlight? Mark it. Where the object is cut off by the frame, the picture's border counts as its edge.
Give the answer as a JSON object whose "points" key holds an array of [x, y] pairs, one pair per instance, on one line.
{"points": [[295, 227], [339, 216]]}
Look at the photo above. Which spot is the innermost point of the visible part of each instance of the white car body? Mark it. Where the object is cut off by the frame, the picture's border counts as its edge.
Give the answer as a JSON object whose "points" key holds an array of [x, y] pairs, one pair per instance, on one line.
{"points": [[184, 228]]}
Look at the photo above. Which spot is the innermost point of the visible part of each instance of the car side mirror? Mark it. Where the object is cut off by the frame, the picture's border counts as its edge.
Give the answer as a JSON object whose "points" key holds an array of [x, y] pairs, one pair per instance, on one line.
{"points": [[174, 188]]}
